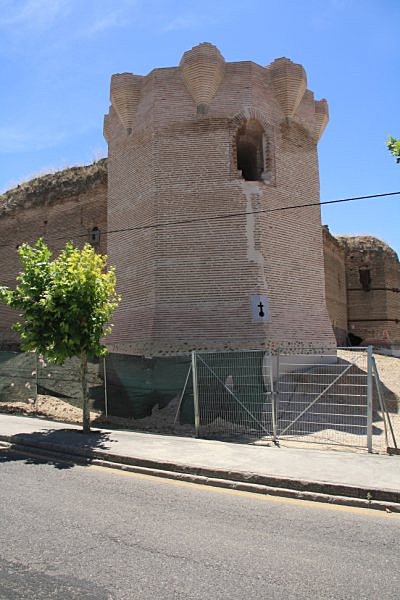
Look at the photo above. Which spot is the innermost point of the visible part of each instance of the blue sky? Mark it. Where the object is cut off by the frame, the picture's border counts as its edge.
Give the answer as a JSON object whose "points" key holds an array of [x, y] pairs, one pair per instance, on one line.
{"points": [[57, 57]]}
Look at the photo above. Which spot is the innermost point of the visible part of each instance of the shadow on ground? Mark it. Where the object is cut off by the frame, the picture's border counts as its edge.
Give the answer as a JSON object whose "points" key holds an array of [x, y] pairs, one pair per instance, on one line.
{"points": [[29, 447]]}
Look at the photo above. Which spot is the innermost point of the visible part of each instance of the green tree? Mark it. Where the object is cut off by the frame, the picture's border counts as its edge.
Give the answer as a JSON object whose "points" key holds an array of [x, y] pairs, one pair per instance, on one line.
{"points": [[394, 147], [66, 304]]}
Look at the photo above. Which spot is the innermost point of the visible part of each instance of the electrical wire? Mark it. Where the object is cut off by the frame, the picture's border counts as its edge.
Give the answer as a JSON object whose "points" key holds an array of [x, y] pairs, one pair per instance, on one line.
{"points": [[219, 217]]}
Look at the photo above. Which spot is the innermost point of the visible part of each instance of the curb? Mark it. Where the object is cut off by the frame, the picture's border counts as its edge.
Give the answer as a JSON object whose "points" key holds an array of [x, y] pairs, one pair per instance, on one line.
{"points": [[315, 491]]}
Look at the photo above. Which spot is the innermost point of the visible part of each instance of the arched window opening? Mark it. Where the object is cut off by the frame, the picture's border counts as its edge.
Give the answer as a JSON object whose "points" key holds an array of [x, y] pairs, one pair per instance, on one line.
{"points": [[95, 235], [250, 151]]}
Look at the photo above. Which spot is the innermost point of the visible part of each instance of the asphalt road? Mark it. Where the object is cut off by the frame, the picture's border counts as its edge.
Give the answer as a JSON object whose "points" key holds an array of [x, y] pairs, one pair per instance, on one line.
{"points": [[91, 533]]}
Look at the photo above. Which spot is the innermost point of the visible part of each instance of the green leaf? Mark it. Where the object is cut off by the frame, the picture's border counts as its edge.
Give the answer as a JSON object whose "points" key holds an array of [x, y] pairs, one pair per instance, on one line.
{"points": [[65, 303]]}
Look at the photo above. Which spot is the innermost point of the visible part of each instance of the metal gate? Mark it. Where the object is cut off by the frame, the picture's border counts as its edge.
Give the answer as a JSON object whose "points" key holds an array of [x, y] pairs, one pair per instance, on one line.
{"points": [[232, 394], [325, 399], [317, 397]]}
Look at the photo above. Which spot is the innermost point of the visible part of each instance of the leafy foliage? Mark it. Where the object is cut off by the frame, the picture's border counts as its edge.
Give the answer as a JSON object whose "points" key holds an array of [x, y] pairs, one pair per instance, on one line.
{"points": [[65, 303], [394, 147]]}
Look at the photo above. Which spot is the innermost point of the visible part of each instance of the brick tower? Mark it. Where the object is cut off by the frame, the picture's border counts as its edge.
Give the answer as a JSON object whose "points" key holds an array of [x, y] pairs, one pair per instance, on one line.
{"points": [[196, 152]]}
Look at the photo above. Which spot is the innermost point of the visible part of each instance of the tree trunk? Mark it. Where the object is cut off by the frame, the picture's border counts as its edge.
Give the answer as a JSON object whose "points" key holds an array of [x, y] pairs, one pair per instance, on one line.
{"points": [[85, 402]]}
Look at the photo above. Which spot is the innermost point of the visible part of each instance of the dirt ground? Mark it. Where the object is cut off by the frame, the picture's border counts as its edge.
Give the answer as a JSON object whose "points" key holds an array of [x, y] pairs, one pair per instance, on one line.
{"points": [[56, 409], [162, 420], [48, 406]]}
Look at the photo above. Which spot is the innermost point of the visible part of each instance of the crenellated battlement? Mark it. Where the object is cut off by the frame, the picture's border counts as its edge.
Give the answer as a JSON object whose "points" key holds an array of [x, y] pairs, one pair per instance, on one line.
{"points": [[202, 72]]}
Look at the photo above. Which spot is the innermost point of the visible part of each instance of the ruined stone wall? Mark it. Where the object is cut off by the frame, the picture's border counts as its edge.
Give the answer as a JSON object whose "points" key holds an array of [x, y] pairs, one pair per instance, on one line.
{"points": [[172, 157], [373, 276], [335, 285], [58, 207]]}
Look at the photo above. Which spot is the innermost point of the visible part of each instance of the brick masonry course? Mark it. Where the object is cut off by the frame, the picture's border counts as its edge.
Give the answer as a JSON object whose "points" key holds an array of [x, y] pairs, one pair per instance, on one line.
{"points": [[174, 140]]}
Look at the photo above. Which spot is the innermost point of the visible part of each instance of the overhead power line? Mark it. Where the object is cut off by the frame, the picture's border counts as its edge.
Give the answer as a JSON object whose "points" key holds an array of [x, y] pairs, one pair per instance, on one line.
{"points": [[244, 213], [221, 217]]}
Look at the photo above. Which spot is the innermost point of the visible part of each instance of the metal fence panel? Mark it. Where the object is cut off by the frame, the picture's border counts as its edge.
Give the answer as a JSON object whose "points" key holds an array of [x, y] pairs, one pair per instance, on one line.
{"points": [[234, 393], [326, 396], [323, 399]]}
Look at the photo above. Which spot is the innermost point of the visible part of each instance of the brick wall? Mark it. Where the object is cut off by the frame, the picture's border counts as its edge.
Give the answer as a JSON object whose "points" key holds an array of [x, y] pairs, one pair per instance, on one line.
{"points": [[70, 203], [373, 314], [62, 206], [335, 285], [185, 277], [172, 158]]}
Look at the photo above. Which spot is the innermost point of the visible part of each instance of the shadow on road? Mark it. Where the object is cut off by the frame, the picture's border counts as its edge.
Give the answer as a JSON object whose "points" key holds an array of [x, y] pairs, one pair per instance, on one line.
{"points": [[42, 447]]}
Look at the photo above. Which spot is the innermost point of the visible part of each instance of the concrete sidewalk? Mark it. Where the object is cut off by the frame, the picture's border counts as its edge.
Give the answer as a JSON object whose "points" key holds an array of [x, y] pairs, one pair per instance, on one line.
{"points": [[359, 477]]}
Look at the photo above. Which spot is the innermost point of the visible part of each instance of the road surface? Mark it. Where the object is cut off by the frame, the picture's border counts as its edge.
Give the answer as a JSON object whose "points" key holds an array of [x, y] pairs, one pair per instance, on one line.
{"points": [[92, 533]]}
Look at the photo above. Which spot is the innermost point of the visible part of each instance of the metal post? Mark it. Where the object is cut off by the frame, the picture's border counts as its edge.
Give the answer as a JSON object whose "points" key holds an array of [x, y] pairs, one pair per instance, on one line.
{"points": [[277, 396], [105, 388], [369, 398], [182, 395], [195, 395], [273, 399], [36, 377], [385, 412], [380, 398]]}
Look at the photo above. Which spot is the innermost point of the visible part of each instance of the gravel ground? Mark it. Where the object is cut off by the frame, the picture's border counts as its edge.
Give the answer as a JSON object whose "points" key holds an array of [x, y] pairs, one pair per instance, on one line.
{"points": [[388, 368], [389, 373]]}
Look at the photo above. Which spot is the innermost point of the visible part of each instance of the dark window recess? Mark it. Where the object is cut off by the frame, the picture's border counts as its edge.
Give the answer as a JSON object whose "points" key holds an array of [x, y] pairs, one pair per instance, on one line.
{"points": [[250, 151], [365, 279], [353, 339], [95, 235]]}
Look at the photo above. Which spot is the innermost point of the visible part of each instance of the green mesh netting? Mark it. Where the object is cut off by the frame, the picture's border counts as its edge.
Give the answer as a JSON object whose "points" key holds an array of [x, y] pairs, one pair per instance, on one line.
{"points": [[135, 385]]}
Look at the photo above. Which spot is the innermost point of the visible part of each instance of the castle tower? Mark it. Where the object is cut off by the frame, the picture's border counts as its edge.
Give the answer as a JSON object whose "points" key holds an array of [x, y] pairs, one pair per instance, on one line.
{"points": [[205, 160], [373, 290]]}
